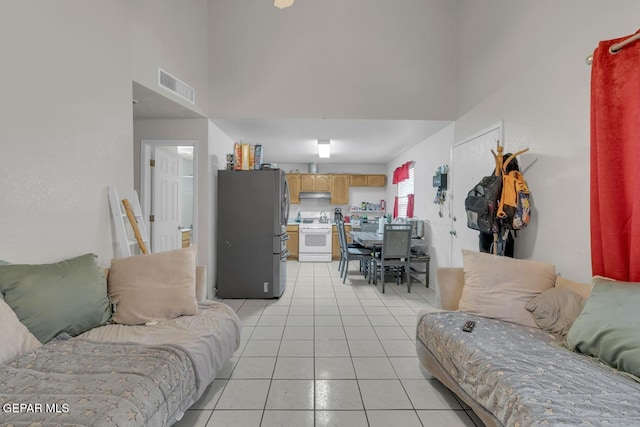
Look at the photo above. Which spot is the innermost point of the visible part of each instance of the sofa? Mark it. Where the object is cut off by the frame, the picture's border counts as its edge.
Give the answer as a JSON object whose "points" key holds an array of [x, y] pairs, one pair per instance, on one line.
{"points": [[552, 352], [136, 344]]}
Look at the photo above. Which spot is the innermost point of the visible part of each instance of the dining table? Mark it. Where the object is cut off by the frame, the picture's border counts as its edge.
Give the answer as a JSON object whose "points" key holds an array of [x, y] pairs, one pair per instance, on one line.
{"points": [[419, 255]]}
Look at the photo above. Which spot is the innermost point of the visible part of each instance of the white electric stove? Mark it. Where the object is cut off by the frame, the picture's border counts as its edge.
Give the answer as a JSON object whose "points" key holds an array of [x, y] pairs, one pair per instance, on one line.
{"points": [[315, 232]]}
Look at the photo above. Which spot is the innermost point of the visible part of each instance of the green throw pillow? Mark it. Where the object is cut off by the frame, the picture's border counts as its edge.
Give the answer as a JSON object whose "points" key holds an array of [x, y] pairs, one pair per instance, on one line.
{"points": [[607, 327], [69, 296]]}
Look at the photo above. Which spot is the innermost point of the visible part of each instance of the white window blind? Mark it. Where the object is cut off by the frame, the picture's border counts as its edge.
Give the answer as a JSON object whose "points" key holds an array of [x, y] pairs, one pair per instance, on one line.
{"points": [[405, 188]]}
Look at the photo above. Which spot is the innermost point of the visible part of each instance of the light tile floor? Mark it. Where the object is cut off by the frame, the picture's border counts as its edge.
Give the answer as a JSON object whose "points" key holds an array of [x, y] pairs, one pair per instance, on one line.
{"points": [[329, 354]]}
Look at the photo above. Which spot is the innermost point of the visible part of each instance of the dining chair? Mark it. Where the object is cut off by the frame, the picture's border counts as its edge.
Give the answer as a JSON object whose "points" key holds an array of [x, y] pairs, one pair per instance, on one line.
{"points": [[342, 229], [369, 226], [348, 254], [395, 255]]}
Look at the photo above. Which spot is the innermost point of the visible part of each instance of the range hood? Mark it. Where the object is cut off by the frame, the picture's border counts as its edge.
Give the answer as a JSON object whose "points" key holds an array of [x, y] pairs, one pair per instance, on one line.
{"points": [[315, 195]]}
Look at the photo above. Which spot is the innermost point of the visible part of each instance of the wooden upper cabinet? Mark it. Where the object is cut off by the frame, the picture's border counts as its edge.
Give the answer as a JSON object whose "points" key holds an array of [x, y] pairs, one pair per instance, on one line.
{"points": [[358, 180], [368, 180], [376, 180], [323, 182], [307, 182], [315, 182], [339, 189], [293, 179]]}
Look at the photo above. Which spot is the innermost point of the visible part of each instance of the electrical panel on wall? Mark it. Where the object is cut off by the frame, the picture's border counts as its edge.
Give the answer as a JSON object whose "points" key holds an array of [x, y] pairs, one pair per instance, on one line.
{"points": [[440, 182]]}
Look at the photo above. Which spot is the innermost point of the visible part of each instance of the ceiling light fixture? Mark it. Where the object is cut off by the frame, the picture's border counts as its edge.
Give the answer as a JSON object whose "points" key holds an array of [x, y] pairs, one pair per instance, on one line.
{"points": [[324, 148], [281, 4]]}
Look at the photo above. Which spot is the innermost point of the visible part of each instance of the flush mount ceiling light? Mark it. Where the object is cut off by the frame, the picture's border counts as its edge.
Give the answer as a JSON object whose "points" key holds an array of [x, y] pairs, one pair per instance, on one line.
{"points": [[281, 4], [324, 148]]}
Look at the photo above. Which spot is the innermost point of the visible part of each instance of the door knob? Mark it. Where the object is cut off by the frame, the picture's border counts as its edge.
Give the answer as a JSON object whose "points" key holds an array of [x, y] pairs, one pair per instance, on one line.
{"points": [[453, 232]]}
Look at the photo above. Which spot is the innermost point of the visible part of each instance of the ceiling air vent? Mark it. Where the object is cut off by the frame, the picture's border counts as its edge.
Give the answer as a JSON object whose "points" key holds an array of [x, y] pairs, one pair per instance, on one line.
{"points": [[176, 86]]}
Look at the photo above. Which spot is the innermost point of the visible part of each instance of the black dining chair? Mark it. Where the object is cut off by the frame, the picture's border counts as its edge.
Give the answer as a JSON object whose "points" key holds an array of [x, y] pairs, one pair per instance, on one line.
{"points": [[341, 228], [348, 254], [395, 255]]}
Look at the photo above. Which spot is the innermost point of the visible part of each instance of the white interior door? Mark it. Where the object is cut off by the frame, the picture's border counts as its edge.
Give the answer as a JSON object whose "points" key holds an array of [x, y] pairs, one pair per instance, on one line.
{"points": [[471, 160], [166, 184]]}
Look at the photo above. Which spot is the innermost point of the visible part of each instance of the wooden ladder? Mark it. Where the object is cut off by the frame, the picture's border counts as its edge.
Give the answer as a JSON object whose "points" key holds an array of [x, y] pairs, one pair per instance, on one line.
{"points": [[121, 209]]}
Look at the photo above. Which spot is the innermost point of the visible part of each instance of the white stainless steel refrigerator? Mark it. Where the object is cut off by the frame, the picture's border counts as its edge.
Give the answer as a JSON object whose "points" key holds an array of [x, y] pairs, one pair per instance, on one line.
{"points": [[251, 252]]}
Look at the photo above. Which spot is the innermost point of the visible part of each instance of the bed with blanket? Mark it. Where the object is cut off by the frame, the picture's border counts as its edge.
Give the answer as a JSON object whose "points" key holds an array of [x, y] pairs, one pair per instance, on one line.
{"points": [[120, 375], [513, 375], [209, 338], [83, 383], [544, 350], [137, 349]]}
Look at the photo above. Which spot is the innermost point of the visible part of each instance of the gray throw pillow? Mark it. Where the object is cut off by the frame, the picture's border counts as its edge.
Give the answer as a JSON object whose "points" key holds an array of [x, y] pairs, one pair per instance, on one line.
{"points": [[555, 310], [68, 296]]}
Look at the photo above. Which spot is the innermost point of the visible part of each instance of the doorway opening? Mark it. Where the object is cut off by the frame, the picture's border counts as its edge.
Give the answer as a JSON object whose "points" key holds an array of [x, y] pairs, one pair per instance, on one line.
{"points": [[168, 192]]}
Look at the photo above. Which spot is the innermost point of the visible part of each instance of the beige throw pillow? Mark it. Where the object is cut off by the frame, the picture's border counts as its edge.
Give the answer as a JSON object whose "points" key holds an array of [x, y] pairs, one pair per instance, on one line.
{"points": [[556, 309], [15, 338], [582, 289], [153, 287], [499, 287]]}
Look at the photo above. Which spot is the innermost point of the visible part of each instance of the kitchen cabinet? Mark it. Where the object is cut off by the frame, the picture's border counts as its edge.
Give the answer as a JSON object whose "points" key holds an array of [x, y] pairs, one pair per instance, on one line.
{"points": [[186, 238], [358, 180], [293, 242], [339, 189], [335, 245], [377, 180], [315, 182], [293, 179]]}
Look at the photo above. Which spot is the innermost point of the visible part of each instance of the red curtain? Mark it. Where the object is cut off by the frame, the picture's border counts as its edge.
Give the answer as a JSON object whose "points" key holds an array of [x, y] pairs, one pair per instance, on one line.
{"points": [[401, 173], [615, 156], [395, 207], [410, 206]]}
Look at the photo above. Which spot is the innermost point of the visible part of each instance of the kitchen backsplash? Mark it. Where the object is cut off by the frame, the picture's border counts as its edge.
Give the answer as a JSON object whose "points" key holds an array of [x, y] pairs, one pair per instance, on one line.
{"points": [[357, 195], [313, 207]]}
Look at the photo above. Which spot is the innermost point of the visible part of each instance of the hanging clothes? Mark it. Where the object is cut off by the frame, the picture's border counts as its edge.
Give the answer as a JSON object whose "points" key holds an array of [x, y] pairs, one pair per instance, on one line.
{"points": [[615, 161]]}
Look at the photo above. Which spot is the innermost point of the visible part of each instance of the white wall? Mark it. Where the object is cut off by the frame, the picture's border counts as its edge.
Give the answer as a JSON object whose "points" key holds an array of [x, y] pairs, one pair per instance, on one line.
{"points": [[428, 156], [172, 35], [524, 63], [356, 59], [219, 144], [65, 126]]}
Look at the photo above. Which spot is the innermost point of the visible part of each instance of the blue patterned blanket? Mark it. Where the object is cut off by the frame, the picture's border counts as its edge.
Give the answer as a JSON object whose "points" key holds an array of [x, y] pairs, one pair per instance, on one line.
{"points": [[84, 383], [524, 377]]}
